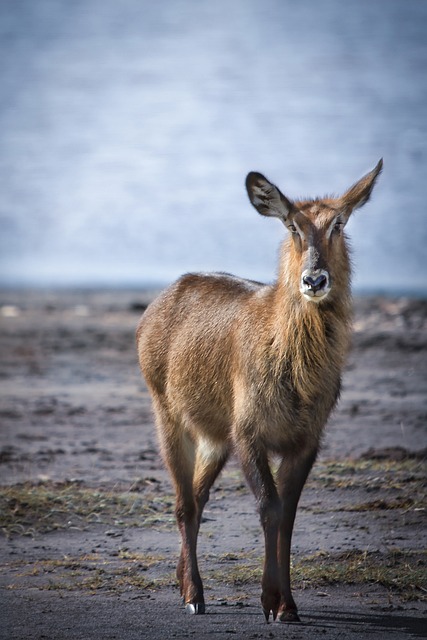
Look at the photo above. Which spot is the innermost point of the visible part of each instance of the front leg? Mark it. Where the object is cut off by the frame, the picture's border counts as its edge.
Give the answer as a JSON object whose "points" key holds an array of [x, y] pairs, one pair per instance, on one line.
{"points": [[254, 460], [291, 476]]}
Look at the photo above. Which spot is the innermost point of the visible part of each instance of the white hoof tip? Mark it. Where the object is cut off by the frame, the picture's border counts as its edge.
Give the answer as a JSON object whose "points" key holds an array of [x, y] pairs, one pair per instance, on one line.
{"points": [[195, 609]]}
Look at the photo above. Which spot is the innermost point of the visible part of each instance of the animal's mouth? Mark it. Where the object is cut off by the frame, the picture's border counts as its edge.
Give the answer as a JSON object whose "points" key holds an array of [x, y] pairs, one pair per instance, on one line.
{"points": [[315, 285]]}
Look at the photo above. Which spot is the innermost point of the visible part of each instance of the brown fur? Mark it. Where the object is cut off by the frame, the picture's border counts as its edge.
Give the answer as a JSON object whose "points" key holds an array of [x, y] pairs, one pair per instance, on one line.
{"points": [[234, 365]]}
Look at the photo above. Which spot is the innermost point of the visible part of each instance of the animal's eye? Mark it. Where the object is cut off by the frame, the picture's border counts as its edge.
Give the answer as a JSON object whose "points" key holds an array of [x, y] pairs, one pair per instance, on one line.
{"points": [[338, 226], [292, 228]]}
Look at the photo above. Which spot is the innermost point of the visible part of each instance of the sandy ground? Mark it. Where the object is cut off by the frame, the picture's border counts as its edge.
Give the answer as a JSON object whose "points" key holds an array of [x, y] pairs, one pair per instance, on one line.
{"points": [[90, 545]]}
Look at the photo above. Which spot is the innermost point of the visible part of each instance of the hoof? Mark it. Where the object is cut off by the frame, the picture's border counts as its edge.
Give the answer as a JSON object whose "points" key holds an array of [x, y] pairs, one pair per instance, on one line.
{"points": [[195, 609], [289, 615], [267, 614]]}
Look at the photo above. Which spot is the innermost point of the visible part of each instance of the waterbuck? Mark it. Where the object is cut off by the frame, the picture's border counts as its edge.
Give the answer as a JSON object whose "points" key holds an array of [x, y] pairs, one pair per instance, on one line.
{"points": [[238, 366]]}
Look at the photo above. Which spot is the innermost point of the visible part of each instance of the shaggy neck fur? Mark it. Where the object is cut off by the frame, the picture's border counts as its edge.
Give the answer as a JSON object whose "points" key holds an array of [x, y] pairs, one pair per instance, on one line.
{"points": [[313, 339]]}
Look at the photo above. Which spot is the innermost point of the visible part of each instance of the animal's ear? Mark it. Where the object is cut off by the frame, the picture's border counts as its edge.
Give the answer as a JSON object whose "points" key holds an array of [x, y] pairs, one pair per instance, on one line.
{"points": [[359, 193], [266, 198]]}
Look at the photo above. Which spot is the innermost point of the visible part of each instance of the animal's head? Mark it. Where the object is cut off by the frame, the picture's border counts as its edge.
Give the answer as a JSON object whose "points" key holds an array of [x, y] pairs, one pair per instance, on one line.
{"points": [[318, 248]]}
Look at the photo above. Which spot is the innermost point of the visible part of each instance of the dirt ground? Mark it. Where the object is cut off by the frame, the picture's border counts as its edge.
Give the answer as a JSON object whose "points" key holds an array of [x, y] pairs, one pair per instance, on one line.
{"points": [[89, 543]]}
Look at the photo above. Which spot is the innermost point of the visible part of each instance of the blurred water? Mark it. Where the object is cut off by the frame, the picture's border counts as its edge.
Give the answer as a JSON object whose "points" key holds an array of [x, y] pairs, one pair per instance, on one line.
{"points": [[128, 129]]}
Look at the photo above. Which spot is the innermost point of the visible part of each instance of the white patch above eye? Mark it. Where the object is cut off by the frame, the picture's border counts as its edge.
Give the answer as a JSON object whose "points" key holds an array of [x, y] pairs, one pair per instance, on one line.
{"points": [[300, 231]]}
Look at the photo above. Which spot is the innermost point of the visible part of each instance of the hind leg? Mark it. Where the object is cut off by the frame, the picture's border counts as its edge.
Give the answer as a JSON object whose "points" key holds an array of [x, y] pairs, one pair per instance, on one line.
{"points": [[210, 460], [179, 455]]}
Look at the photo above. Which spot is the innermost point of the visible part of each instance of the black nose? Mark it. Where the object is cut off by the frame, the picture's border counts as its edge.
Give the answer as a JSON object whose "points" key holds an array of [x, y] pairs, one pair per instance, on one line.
{"points": [[315, 284]]}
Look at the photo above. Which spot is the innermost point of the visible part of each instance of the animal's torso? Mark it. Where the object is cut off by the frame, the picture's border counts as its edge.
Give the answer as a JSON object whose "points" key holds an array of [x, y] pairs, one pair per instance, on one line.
{"points": [[215, 351]]}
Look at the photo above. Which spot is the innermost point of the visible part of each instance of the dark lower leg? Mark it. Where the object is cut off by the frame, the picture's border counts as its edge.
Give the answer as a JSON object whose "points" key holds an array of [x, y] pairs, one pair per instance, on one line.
{"points": [[187, 570], [288, 609], [292, 475], [270, 596], [257, 471]]}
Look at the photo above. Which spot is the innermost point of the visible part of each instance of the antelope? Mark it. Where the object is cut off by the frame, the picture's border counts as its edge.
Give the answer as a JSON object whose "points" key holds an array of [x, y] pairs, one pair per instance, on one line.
{"points": [[238, 366]]}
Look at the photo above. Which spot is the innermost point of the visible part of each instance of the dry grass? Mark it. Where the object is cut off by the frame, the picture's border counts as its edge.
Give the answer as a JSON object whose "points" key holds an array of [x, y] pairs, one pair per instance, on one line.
{"points": [[403, 572], [397, 570], [93, 573], [34, 509], [369, 474], [401, 502], [27, 509]]}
